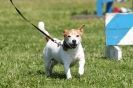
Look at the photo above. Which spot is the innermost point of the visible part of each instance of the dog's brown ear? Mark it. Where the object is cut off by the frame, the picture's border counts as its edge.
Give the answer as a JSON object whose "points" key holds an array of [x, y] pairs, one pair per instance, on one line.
{"points": [[81, 26], [65, 32], [81, 30]]}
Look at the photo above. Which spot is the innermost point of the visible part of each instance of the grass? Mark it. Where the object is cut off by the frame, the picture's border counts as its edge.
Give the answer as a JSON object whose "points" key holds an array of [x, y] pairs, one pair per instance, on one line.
{"points": [[21, 46]]}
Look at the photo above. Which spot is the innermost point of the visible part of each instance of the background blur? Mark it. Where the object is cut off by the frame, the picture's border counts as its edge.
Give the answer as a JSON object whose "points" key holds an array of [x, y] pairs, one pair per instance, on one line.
{"points": [[21, 46]]}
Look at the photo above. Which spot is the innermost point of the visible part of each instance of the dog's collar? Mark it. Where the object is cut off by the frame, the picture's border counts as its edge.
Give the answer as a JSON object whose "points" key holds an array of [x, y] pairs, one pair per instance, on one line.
{"points": [[66, 46]]}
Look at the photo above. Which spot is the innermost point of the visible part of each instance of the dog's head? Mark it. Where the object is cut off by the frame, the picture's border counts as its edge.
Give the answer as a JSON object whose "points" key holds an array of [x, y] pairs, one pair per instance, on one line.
{"points": [[72, 37]]}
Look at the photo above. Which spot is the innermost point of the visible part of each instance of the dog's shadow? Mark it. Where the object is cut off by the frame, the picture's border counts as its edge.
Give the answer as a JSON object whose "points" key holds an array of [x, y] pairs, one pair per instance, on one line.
{"points": [[54, 75]]}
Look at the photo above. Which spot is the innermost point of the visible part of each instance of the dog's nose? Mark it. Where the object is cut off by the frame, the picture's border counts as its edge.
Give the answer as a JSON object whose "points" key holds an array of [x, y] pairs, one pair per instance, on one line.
{"points": [[74, 41]]}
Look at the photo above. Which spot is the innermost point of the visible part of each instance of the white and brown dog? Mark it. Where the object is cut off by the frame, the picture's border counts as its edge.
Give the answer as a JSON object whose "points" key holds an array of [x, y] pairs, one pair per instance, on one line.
{"points": [[67, 54]]}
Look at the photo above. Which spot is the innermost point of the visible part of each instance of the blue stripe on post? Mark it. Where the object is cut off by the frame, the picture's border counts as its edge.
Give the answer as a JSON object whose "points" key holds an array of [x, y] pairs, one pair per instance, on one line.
{"points": [[121, 21], [99, 6], [118, 27], [114, 36]]}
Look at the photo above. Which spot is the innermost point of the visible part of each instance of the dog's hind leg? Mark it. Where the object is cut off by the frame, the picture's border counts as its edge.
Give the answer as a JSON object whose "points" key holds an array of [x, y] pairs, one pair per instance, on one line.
{"points": [[52, 63], [49, 64], [47, 60], [47, 67]]}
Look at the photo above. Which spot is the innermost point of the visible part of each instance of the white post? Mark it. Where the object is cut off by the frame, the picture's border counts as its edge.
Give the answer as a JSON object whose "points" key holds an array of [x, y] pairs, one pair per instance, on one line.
{"points": [[113, 52]]}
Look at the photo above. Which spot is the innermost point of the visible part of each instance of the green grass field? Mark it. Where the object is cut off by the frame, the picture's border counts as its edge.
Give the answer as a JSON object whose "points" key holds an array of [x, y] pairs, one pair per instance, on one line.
{"points": [[21, 46]]}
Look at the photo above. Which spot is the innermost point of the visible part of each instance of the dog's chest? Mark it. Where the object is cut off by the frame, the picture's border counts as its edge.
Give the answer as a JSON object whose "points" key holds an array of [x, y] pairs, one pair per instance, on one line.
{"points": [[70, 55]]}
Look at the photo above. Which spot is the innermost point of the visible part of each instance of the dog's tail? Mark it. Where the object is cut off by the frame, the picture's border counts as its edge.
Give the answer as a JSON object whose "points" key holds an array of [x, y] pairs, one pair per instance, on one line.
{"points": [[41, 26]]}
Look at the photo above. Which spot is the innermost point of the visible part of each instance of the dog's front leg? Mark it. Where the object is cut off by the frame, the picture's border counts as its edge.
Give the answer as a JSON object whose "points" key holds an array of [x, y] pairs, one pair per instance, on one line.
{"points": [[67, 70], [81, 66]]}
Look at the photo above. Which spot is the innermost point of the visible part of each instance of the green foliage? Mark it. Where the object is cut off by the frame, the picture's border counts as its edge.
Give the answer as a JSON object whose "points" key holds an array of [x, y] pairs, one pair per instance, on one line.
{"points": [[21, 47]]}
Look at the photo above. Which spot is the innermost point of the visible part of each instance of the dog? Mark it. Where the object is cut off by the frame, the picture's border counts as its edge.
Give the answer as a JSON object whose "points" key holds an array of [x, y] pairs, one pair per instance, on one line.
{"points": [[69, 52]]}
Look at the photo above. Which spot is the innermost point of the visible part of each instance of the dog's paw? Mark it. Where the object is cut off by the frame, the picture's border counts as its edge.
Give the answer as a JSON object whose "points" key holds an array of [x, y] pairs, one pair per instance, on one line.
{"points": [[69, 77], [81, 72]]}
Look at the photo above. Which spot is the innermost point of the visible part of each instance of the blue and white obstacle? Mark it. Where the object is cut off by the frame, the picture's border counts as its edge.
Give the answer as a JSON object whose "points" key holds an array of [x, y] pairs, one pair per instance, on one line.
{"points": [[119, 31]]}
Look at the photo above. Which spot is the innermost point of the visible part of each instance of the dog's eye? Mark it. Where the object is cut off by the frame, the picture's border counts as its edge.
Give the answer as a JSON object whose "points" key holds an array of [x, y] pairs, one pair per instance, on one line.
{"points": [[77, 35], [68, 36]]}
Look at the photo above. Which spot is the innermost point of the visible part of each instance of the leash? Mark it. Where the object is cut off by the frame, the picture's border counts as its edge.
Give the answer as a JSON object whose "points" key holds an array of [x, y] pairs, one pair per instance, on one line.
{"points": [[32, 23], [19, 12]]}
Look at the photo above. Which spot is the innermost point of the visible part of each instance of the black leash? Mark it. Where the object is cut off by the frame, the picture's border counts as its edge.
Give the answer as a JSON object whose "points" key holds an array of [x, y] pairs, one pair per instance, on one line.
{"points": [[31, 23], [58, 43]]}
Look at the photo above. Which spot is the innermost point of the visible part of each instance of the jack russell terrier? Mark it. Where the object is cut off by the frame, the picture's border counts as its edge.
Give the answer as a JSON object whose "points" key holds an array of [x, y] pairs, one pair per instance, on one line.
{"points": [[69, 52]]}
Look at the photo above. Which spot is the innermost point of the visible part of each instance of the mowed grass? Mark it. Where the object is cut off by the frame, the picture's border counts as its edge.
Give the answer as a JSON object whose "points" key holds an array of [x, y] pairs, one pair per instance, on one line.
{"points": [[21, 47]]}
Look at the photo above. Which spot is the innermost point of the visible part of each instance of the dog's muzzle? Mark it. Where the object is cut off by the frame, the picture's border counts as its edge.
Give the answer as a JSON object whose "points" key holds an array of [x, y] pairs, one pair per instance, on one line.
{"points": [[72, 45]]}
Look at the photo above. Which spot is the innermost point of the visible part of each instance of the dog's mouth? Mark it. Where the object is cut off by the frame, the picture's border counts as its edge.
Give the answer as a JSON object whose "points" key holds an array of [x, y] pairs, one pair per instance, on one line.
{"points": [[74, 45], [69, 45]]}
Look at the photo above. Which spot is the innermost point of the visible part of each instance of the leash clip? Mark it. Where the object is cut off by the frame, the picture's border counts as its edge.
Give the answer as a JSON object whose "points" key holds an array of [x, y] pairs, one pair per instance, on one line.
{"points": [[58, 43]]}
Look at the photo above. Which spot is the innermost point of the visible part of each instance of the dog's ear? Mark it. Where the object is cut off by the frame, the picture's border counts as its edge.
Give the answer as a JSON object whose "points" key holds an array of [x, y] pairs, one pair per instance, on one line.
{"points": [[65, 32], [80, 29]]}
